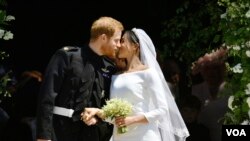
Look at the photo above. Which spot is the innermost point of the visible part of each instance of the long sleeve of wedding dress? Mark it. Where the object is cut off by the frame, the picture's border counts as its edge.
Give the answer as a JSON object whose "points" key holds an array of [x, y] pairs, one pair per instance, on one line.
{"points": [[143, 91]]}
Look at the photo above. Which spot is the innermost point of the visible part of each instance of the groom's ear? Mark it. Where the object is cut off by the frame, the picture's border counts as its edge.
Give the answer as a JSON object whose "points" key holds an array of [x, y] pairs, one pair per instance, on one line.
{"points": [[103, 37]]}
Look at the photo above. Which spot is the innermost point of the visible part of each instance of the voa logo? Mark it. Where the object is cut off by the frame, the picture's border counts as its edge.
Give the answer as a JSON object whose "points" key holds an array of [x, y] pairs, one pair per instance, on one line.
{"points": [[236, 132]]}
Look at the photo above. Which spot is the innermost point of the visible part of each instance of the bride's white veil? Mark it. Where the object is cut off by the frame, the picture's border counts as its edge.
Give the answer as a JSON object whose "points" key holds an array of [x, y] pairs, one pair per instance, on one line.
{"points": [[172, 126]]}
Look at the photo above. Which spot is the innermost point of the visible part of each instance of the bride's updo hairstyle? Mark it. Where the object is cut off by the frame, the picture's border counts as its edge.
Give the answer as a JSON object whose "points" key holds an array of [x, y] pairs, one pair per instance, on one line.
{"points": [[131, 36]]}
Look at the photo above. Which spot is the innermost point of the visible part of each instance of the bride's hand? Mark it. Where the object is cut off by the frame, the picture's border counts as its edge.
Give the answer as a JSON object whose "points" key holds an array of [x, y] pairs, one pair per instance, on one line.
{"points": [[91, 121], [126, 121], [89, 113], [88, 116], [123, 121]]}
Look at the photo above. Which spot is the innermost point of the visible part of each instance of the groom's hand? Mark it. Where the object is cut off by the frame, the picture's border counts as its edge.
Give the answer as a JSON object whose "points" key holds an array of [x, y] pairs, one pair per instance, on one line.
{"points": [[91, 121], [88, 116], [89, 113]]}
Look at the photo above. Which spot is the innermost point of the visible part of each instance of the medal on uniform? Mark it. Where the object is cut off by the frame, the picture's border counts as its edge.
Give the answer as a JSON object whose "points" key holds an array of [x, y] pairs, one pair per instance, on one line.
{"points": [[103, 93], [105, 70]]}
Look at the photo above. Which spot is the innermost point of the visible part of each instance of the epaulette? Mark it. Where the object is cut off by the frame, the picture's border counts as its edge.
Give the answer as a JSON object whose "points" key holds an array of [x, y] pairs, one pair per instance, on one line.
{"points": [[70, 48]]}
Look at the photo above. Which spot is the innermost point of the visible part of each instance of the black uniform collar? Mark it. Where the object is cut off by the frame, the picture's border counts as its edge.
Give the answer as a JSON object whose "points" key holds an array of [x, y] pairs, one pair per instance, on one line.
{"points": [[102, 62], [91, 55]]}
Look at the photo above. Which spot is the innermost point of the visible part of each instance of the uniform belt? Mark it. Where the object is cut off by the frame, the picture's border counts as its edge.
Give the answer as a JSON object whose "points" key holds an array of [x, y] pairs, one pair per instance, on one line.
{"points": [[63, 111]]}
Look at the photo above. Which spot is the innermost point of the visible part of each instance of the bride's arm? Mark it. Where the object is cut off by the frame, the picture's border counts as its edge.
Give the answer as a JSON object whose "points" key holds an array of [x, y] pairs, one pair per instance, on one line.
{"points": [[156, 93]]}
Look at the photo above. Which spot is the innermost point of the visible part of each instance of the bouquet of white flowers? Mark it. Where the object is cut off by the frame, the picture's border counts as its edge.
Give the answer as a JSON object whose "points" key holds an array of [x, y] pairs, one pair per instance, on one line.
{"points": [[116, 107]]}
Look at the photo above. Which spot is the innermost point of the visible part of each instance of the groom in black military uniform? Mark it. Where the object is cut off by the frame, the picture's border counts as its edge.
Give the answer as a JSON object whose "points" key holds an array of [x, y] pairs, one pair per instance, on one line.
{"points": [[78, 77]]}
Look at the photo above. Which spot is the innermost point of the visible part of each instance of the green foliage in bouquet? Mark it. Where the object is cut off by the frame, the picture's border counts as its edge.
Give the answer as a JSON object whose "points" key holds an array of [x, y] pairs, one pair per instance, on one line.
{"points": [[116, 107]]}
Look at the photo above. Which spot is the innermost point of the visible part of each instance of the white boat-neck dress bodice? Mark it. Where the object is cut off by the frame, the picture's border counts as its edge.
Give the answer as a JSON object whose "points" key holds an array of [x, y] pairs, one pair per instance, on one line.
{"points": [[140, 89]]}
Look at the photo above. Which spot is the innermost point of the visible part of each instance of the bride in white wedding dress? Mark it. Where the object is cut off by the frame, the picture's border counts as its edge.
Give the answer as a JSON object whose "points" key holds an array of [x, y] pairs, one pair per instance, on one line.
{"points": [[155, 116]]}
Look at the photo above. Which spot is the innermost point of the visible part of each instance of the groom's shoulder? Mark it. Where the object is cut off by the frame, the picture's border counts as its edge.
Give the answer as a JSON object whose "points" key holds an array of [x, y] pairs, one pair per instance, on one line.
{"points": [[70, 48], [67, 51]]}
